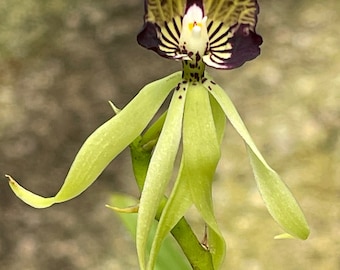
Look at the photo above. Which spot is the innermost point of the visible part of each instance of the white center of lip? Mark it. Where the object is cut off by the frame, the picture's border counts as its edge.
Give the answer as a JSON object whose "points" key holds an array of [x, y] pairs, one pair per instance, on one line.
{"points": [[194, 30]]}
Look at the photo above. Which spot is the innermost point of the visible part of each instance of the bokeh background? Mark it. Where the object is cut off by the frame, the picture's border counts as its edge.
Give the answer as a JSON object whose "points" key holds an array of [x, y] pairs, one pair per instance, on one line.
{"points": [[61, 61]]}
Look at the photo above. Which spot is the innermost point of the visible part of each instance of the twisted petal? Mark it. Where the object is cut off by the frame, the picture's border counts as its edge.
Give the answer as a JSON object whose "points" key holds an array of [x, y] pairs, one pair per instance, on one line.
{"points": [[223, 33], [105, 143]]}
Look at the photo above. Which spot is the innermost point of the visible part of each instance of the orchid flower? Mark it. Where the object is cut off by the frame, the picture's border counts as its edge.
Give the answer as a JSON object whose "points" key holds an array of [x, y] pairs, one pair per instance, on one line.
{"points": [[220, 34]]}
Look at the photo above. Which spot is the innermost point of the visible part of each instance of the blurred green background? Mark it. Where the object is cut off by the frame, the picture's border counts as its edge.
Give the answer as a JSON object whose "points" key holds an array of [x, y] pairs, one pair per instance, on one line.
{"points": [[61, 61]]}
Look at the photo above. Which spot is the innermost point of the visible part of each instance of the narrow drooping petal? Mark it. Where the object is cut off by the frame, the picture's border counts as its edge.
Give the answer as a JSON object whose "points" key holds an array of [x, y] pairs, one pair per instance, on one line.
{"points": [[222, 33], [279, 201], [201, 153], [105, 143], [160, 170]]}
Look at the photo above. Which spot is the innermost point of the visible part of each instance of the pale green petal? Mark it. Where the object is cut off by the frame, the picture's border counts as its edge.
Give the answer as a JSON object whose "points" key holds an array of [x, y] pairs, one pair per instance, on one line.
{"points": [[106, 143], [159, 171], [277, 197], [29, 197], [201, 153], [279, 200]]}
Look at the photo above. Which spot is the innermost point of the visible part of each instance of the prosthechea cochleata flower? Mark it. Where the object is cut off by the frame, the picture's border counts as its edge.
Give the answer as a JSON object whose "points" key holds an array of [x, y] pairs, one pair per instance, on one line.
{"points": [[220, 34]]}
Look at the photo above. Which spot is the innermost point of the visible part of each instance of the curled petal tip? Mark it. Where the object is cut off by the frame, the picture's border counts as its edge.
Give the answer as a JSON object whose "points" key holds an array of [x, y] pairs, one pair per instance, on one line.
{"points": [[29, 197], [12, 183]]}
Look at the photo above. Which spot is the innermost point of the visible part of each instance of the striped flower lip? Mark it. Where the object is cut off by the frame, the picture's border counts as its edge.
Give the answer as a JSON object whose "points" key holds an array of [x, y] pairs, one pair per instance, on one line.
{"points": [[221, 32]]}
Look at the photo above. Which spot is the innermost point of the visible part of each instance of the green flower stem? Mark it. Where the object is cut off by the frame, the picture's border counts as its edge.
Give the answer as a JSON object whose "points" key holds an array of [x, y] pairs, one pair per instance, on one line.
{"points": [[199, 257]]}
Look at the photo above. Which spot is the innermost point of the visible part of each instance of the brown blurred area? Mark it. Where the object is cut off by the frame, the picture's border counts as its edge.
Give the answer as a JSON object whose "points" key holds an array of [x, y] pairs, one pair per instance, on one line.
{"points": [[61, 61]]}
